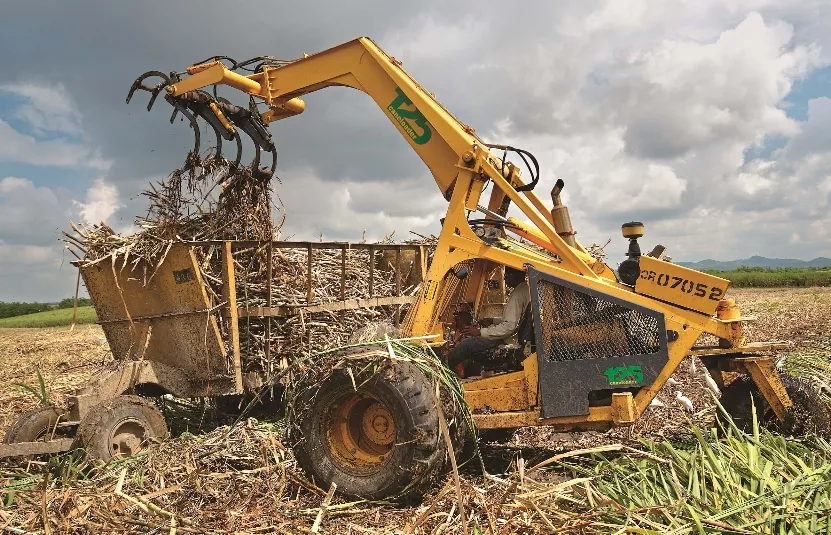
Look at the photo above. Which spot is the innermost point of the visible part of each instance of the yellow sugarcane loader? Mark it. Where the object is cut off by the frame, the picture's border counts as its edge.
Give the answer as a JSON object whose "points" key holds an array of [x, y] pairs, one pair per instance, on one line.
{"points": [[603, 342]]}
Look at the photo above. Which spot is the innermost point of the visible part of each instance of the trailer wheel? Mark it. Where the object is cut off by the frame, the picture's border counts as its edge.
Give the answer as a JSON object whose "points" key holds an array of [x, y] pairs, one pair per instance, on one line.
{"points": [[121, 427], [34, 426], [381, 440], [809, 414]]}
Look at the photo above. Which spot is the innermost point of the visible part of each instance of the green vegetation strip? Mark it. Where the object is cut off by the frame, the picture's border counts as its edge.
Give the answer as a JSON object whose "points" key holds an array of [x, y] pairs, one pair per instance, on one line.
{"points": [[735, 484], [51, 318], [17, 308], [758, 277]]}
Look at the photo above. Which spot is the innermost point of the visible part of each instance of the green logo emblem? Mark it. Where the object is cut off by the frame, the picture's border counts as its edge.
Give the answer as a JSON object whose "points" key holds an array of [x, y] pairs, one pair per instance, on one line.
{"points": [[624, 375], [412, 121]]}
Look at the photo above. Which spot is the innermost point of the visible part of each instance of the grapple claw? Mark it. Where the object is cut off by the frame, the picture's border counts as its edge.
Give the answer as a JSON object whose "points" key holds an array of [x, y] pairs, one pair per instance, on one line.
{"points": [[227, 120]]}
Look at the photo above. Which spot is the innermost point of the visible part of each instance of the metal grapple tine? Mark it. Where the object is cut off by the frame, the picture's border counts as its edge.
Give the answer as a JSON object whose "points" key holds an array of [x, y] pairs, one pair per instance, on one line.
{"points": [[203, 105], [255, 163], [273, 161], [239, 150], [155, 94], [153, 90], [228, 105], [193, 124], [218, 153]]}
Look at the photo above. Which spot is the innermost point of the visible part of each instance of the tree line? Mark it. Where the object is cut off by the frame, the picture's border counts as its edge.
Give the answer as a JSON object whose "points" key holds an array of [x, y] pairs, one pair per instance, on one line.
{"points": [[20, 308]]}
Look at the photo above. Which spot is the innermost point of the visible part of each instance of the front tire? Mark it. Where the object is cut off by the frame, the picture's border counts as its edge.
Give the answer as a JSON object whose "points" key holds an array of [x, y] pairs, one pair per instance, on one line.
{"points": [[809, 414], [381, 440]]}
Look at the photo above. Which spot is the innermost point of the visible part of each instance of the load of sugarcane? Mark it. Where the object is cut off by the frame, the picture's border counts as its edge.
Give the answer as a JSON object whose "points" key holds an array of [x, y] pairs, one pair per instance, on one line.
{"points": [[212, 199]]}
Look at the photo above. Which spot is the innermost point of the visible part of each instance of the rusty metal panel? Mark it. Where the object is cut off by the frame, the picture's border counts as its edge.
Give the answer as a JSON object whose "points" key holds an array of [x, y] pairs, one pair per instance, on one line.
{"points": [[161, 317]]}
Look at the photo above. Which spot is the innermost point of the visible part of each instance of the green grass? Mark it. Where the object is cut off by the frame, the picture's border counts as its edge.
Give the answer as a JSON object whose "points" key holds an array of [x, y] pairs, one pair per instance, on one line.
{"points": [[775, 278], [51, 318]]}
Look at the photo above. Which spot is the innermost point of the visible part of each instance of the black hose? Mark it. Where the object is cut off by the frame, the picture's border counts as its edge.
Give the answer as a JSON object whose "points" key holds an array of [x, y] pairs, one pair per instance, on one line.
{"points": [[535, 172]]}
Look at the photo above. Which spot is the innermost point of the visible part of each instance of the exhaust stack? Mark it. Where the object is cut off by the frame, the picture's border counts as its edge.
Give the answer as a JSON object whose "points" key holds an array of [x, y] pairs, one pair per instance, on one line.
{"points": [[560, 216]]}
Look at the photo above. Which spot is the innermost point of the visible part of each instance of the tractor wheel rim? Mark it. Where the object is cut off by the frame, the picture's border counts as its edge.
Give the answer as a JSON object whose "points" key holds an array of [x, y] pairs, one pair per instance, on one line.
{"points": [[127, 437], [360, 433]]}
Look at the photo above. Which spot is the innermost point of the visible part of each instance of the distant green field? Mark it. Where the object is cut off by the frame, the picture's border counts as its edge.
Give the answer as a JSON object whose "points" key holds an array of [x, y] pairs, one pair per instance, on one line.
{"points": [[51, 318], [775, 278]]}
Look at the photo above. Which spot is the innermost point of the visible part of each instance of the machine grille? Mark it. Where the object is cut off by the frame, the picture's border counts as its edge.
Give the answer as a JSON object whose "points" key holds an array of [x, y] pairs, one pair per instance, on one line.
{"points": [[577, 325]]}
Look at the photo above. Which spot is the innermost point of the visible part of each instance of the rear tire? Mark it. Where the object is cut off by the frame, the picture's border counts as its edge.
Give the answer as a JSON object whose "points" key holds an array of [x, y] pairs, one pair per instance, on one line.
{"points": [[809, 414], [34, 426], [380, 441], [121, 427]]}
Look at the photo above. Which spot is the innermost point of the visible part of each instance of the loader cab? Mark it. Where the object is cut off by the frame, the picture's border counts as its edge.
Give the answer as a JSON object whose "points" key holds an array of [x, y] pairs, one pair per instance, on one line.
{"points": [[577, 348], [492, 303]]}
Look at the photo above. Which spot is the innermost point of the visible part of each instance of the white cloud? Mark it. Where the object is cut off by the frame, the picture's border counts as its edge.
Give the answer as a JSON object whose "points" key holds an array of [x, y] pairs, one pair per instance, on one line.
{"points": [[344, 210], [30, 215], [48, 108], [101, 202], [652, 121], [31, 218], [20, 148]]}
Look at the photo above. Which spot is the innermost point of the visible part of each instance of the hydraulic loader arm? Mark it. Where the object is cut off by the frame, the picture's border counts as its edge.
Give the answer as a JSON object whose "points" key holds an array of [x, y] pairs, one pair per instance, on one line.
{"points": [[447, 146], [438, 137]]}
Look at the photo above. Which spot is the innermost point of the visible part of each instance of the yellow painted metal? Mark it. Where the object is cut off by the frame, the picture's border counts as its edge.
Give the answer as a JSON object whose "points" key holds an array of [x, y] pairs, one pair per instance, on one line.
{"points": [[460, 164], [499, 399], [360, 433], [505, 380], [229, 295], [222, 119], [753, 347], [728, 310], [531, 369], [521, 229], [214, 73], [623, 408], [598, 418], [764, 374], [681, 286], [474, 193], [633, 231]]}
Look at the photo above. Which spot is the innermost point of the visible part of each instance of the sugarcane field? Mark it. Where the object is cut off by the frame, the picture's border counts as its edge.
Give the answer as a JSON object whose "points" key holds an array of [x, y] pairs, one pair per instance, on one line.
{"points": [[594, 298]]}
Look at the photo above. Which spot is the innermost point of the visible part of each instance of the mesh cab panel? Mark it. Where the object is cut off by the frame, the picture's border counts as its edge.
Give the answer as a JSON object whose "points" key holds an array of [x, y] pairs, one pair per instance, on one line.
{"points": [[577, 325]]}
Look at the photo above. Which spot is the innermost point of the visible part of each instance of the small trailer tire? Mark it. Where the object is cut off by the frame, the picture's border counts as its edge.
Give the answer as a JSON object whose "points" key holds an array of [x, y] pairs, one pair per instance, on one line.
{"points": [[809, 414], [121, 427], [381, 440], [33, 426]]}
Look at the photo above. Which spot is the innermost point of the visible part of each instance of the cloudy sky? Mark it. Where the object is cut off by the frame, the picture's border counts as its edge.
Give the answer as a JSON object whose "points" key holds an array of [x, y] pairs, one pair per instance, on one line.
{"points": [[708, 120]]}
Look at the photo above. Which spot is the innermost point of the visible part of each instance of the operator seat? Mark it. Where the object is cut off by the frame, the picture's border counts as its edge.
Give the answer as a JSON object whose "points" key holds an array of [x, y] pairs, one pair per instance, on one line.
{"points": [[508, 357]]}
